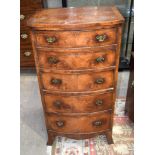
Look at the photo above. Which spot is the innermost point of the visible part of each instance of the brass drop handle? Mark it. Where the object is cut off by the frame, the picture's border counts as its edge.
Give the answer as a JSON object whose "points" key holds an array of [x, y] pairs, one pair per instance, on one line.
{"points": [[27, 53], [22, 17], [99, 102], [99, 81], [101, 38], [60, 123], [97, 123], [56, 81], [53, 60], [24, 36], [100, 59], [57, 104], [50, 39]]}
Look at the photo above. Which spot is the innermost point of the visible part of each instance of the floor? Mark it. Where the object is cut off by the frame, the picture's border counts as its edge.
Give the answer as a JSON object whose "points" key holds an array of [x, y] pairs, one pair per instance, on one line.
{"points": [[33, 132]]}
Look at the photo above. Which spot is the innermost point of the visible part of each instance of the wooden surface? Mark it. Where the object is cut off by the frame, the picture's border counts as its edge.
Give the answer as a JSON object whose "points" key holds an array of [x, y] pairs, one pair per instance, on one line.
{"points": [[76, 58], [78, 82], [70, 39], [33, 130], [83, 78], [76, 18], [70, 103], [83, 123], [30, 4], [27, 8]]}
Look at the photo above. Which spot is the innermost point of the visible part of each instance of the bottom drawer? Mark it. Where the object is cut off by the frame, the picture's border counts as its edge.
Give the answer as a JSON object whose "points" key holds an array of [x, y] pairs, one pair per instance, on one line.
{"points": [[85, 123], [27, 58]]}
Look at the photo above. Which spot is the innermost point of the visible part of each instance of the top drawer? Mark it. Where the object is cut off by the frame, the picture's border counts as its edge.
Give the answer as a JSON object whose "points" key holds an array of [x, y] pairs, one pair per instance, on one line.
{"points": [[76, 38]]}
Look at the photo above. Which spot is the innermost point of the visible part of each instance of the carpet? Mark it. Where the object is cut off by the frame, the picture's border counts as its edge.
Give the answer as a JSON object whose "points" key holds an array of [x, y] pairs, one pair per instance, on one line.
{"points": [[123, 137]]}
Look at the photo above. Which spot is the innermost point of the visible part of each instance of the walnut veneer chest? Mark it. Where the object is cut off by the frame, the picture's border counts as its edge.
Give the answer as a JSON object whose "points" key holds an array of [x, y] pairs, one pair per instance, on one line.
{"points": [[76, 54]]}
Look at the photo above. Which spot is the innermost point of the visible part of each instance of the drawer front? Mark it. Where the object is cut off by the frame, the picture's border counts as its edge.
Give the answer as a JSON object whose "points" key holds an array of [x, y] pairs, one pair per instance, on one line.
{"points": [[79, 123], [76, 38], [78, 82], [81, 59], [25, 37], [24, 15], [78, 104], [27, 57], [30, 4]]}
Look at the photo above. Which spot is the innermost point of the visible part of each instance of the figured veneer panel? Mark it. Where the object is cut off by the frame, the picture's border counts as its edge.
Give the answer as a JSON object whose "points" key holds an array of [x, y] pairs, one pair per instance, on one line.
{"points": [[79, 123], [78, 82], [77, 59], [78, 103], [75, 38]]}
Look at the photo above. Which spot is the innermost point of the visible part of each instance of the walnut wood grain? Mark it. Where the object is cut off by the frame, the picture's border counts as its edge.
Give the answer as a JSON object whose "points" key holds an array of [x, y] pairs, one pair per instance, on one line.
{"points": [[78, 82], [75, 38], [72, 82], [79, 123], [78, 103], [76, 18], [25, 15], [76, 59]]}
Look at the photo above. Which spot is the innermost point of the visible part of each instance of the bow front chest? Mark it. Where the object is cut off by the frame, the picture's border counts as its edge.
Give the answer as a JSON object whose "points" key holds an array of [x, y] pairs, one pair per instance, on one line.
{"points": [[77, 54]]}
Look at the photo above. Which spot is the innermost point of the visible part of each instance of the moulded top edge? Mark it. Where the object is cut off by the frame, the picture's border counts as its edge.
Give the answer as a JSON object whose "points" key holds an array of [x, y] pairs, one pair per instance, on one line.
{"points": [[75, 18]]}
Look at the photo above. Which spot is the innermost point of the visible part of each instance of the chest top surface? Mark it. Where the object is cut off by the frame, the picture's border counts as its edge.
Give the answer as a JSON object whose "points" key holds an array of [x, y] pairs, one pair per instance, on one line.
{"points": [[75, 18]]}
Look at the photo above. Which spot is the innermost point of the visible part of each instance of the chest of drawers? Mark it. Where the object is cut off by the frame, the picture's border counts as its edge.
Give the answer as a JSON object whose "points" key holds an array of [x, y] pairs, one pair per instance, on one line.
{"points": [[27, 8], [76, 54]]}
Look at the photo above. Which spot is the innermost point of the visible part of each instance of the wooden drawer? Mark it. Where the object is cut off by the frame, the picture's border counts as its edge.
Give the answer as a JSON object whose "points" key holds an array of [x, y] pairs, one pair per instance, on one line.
{"points": [[76, 38], [79, 123], [26, 57], [24, 15], [30, 4], [78, 104], [77, 58], [25, 37], [78, 82]]}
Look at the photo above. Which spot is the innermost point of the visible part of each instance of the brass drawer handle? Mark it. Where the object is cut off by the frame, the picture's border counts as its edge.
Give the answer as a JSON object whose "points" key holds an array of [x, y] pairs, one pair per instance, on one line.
{"points": [[56, 81], [53, 60], [24, 36], [99, 102], [22, 17], [98, 123], [27, 53], [60, 123], [99, 81], [50, 39], [100, 59], [101, 38], [58, 104]]}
